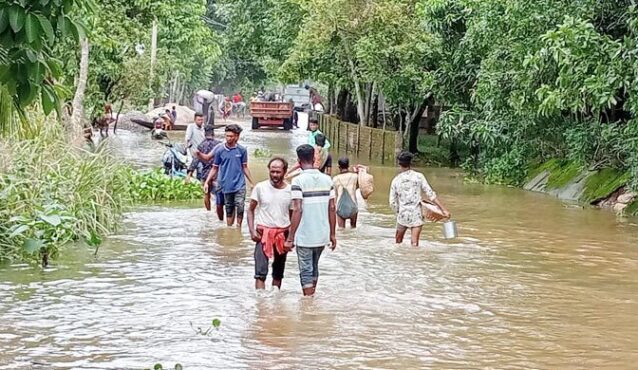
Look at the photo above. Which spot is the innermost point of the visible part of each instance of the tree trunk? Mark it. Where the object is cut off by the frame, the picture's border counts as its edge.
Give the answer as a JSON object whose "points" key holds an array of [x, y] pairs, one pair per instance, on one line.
{"points": [[415, 121], [351, 113], [117, 117], [153, 61], [181, 94], [330, 98], [370, 92], [342, 99], [455, 159], [375, 111], [77, 116], [357, 90]]}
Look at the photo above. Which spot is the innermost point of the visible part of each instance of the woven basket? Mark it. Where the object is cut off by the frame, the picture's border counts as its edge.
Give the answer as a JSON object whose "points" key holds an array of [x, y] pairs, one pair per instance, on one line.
{"points": [[431, 211]]}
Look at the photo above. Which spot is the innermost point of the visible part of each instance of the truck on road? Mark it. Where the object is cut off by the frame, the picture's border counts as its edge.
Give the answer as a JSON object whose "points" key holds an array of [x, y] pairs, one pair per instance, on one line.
{"points": [[271, 113]]}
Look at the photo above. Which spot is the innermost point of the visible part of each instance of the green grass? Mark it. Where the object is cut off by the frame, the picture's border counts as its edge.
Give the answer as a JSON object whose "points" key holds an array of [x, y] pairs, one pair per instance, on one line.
{"points": [[560, 172], [632, 209], [561, 176], [603, 183]]}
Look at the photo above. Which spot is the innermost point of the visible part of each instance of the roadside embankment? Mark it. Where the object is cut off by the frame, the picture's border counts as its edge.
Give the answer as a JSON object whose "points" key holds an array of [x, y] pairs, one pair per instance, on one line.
{"points": [[604, 188]]}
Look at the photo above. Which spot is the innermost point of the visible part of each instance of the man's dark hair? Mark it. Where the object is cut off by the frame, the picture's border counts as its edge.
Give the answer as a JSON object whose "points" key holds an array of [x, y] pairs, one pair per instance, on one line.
{"points": [[344, 162], [280, 159], [306, 154], [209, 130], [198, 114], [313, 120], [233, 128], [173, 107], [320, 140], [405, 158], [167, 110]]}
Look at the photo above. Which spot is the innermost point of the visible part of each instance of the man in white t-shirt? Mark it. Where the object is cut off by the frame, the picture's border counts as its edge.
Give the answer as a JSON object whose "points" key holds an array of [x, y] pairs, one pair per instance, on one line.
{"points": [[269, 229]]}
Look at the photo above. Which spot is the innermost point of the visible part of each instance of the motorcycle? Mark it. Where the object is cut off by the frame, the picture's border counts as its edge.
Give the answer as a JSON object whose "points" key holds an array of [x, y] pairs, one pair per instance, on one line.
{"points": [[158, 134], [175, 160]]}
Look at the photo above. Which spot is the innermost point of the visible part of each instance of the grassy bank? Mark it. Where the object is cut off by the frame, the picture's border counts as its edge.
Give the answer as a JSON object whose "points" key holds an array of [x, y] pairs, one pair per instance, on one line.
{"points": [[55, 195], [598, 185], [52, 193]]}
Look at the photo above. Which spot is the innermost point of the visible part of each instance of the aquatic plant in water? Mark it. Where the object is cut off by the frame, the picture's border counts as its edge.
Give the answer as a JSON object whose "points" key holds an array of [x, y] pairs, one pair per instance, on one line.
{"points": [[152, 186]]}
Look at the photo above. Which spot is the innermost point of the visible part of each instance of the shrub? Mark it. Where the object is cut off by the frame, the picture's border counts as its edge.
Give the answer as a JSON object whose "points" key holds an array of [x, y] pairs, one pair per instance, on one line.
{"points": [[52, 193]]}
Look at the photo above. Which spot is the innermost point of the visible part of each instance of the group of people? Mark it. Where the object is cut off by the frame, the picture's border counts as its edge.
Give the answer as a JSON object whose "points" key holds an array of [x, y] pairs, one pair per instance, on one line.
{"points": [[166, 121], [301, 213], [230, 105]]}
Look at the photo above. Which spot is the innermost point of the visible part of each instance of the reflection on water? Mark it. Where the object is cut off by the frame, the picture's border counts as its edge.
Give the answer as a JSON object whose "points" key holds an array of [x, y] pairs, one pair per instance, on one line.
{"points": [[531, 283]]}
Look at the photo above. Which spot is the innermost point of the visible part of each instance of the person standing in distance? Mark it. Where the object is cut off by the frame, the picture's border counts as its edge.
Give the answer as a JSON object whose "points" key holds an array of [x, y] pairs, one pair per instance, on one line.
{"points": [[405, 199], [346, 184], [313, 125], [270, 228], [195, 134], [313, 221], [231, 164]]}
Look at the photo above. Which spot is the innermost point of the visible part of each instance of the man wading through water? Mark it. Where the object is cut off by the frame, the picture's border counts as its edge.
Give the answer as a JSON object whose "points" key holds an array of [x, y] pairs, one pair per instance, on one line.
{"points": [[270, 228], [313, 220], [231, 163], [405, 199], [203, 168], [346, 184]]}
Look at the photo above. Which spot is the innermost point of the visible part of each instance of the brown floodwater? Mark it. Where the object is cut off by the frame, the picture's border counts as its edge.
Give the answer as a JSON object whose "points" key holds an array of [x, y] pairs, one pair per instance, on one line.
{"points": [[531, 282]]}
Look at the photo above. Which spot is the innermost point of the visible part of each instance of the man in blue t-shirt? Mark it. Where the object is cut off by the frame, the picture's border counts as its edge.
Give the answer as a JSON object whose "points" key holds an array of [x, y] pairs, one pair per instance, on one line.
{"points": [[230, 162], [313, 221]]}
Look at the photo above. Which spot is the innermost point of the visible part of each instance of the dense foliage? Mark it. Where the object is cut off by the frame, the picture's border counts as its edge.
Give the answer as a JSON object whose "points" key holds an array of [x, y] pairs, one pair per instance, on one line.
{"points": [[120, 33], [28, 69], [519, 81], [533, 80]]}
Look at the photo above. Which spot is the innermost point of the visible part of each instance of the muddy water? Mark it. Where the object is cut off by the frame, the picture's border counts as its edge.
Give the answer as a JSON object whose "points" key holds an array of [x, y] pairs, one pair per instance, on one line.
{"points": [[531, 283]]}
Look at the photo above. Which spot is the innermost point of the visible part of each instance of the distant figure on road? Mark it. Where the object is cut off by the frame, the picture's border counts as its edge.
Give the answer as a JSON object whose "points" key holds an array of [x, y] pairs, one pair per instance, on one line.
{"points": [[313, 220], [231, 164], [323, 158], [174, 114], [225, 108], [313, 125], [405, 199], [346, 184], [239, 107], [195, 134], [272, 200]]}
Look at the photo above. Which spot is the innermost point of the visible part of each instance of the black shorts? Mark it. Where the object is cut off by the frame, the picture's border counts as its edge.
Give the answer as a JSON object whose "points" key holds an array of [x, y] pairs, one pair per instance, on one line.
{"points": [[235, 202], [261, 264]]}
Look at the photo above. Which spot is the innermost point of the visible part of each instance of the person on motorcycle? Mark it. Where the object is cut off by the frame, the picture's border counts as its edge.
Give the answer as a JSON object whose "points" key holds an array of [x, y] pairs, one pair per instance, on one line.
{"points": [[158, 130]]}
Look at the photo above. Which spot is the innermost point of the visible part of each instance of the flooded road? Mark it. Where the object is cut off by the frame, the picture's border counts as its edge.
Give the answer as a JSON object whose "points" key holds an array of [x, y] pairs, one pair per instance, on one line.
{"points": [[530, 283]]}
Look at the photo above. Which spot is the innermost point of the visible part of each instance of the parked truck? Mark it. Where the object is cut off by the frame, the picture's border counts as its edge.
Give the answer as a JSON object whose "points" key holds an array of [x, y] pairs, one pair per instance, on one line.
{"points": [[271, 113]]}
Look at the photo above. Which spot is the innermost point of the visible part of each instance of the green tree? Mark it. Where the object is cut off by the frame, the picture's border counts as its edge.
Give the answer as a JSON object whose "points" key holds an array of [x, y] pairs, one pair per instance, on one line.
{"points": [[28, 71]]}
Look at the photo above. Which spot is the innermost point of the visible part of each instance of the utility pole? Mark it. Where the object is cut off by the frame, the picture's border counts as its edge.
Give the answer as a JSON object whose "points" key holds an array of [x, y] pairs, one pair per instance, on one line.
{"points": [[153, 61]]}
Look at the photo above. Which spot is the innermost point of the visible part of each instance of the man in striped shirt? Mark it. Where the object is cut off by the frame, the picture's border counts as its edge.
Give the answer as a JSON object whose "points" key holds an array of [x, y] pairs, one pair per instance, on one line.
{"points": [[313, 218]]}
